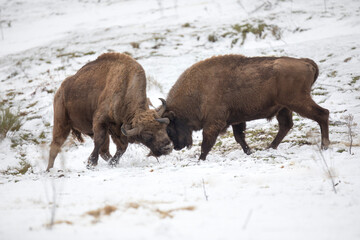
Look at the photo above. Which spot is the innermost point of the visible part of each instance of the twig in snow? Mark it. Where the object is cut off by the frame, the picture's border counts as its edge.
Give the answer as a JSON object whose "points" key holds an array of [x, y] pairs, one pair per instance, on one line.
{"points": [[53, 209], [242, 6], [161, 7], [1, 29], [266, 5], [196, 162], [327, 169], [53, 198], [206, 196], [247, 220]]}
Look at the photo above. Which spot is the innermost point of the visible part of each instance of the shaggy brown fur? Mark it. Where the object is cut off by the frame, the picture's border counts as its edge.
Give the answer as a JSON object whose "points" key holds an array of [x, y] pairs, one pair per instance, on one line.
{"points": [[107, 96], [232, 89]]}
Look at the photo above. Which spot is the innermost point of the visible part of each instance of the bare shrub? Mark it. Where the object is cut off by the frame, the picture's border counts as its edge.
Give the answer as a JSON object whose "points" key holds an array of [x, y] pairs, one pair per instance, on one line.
{"points": [[257, 28], [212, 38], [151, 82], [24, 167], [135, 45], [9, 122], [350, 125]]}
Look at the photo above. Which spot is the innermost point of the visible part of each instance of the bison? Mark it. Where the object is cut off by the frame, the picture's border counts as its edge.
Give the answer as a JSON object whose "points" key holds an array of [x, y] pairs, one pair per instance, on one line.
{"points": [[232, 89], [108, 97]]}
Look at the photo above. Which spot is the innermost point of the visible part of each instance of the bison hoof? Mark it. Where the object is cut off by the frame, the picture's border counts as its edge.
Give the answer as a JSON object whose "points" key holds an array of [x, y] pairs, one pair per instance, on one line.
{"points": [[113, 163], [325, 144], [90, 166], [248, 151], [323, 147], [91, 163], [273, 146], [202, 157]]}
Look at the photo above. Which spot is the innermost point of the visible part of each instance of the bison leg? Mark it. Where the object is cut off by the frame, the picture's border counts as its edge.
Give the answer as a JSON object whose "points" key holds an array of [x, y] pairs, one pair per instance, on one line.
{"points": [[311, 110], [210, 133], [121, 145], [239, 135], [100, 136], [284, 118], [104, 150], [61, 131]]}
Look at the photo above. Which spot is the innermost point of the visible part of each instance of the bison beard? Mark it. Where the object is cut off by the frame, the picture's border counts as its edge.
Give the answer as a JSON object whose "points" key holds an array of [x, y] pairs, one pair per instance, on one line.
{"points": [[107, 97], [230, 90]]}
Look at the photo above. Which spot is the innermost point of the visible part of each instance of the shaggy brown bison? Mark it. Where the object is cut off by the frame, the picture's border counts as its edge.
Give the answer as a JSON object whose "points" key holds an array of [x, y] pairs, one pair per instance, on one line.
{"points": [[232, 89], [108, 97]]}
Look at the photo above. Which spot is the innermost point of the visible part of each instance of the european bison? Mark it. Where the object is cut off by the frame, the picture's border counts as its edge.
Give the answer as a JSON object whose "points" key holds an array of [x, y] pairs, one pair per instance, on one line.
{"points": [[232, 89], [108, 97]]}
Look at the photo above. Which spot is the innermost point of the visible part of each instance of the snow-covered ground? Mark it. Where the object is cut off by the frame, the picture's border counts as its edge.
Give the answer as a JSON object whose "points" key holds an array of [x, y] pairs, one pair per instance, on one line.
{"points": [[272, 194]]}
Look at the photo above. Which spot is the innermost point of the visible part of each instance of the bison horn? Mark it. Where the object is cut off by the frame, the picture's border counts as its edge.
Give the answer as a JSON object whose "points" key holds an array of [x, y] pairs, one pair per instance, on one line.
{"points": [[163, 120], [162, 108], [130, 132]]}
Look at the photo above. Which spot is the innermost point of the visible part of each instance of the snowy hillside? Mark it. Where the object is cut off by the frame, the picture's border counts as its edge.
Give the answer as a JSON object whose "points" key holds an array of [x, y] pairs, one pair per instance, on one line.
{"points": [[294, 192]]}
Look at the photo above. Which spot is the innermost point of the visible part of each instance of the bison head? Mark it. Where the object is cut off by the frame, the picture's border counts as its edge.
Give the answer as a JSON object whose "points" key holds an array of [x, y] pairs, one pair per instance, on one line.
{"points": [[178, 130], [149, 129]]}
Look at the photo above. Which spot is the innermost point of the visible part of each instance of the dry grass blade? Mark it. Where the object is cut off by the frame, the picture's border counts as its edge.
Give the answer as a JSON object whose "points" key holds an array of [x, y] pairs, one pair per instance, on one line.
{"points": [[167, 213], [161, 213]]}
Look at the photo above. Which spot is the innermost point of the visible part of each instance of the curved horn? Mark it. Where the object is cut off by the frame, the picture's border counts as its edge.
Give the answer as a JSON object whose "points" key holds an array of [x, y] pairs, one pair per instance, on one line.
{"points": [[130, 132], [163, 120], [161, 109]]}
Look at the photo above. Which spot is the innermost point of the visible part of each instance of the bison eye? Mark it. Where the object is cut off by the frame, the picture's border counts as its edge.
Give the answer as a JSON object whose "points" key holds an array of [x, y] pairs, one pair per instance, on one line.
{"points": [[147, 137]]}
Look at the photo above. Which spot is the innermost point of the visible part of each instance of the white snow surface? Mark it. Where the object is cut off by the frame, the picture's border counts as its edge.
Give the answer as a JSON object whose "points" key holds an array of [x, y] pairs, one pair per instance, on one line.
{"points": [[271, 194]]}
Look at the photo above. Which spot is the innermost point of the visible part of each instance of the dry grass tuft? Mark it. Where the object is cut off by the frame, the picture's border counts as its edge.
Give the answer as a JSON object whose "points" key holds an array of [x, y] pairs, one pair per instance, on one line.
{"points": [[9, 122], [105, 211], [133, 205]]}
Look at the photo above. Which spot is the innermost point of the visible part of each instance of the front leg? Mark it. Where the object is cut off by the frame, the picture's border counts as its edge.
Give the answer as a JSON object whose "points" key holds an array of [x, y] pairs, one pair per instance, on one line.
{"points": [[210, 134], [100, 134], [115, 159], [104, 150], [121, 145]]}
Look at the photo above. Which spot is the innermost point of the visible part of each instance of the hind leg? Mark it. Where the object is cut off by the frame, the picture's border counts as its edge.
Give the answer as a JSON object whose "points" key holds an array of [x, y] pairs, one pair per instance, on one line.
{"points": [[284, 118], [59, 136], [61, 131], [239, 135], [311, 110]]}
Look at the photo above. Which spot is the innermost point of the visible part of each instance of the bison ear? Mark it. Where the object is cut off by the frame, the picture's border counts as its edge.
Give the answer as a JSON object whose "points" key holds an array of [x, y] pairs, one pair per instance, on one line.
{"points": [[130, 132], [163, 120], [160, 110], [170, 115]]}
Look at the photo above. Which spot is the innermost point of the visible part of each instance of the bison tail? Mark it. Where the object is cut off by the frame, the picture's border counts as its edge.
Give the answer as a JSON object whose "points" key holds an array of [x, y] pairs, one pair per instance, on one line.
{"points": [[77, 135], [315, 66]]}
